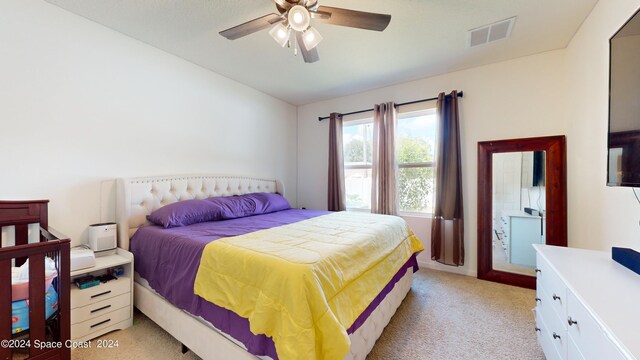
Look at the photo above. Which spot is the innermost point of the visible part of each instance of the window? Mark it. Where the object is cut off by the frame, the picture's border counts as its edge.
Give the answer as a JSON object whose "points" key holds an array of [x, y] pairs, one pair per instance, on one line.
{"points": [[415, 144], [357, 137]]}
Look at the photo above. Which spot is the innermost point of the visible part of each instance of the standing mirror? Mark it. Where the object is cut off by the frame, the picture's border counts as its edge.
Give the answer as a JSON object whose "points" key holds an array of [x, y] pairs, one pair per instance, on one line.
{"points": [[521, 202]]}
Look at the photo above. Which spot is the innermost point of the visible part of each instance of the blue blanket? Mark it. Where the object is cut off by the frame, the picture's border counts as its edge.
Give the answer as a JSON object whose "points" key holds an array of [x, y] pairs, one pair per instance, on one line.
{"points": [[20, 310]]}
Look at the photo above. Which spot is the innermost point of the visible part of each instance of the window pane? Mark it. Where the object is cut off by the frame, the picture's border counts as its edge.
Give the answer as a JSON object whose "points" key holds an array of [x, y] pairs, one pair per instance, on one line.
{"points": [[358, 188], [415, 189], [416, 138], [415, 143], [356, 141]]}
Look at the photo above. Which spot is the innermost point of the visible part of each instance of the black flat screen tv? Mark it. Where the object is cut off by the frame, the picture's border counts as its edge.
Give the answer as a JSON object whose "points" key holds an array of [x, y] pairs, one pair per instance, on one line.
{"points": [[538, 168], [624, 105]]}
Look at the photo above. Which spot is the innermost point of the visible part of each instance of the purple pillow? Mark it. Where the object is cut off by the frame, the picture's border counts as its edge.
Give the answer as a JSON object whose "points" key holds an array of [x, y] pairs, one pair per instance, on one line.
{"points": [[237, 206], [184, 213], [267, 203], [189, 212]]}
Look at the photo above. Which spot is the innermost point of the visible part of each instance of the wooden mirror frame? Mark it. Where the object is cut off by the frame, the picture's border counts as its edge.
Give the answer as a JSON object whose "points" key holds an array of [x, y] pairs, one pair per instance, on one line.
{"points": [[556, 201]]}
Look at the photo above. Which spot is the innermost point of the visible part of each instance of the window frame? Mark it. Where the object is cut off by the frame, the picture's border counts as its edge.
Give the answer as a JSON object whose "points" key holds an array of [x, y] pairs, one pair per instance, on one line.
{"points": [[411, 111]]}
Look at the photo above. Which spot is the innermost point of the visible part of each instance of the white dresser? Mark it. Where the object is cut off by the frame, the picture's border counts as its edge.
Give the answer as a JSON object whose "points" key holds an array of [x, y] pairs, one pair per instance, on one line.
{"points": [[587, 305], [517, 231]]}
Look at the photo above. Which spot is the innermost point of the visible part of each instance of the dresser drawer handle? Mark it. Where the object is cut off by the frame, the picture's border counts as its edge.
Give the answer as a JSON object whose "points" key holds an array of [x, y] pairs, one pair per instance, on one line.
{"points": [[538, 271], [556, 297], [102, 293], [538, 299], [571, 321], [100, 323], [102, 308], [538, 329], [556, 336]]}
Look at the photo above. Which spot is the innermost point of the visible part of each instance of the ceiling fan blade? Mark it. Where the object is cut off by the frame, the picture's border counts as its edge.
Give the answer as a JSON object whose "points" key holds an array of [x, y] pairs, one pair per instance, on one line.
{"points": [[309, 56], [356, 19], [319, 15], [251, 26]]}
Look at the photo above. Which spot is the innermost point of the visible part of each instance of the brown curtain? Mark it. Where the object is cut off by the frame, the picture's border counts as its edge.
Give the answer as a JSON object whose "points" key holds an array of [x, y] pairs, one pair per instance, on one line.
{"points": [[336, 194], [384, 164], [447, 230]]}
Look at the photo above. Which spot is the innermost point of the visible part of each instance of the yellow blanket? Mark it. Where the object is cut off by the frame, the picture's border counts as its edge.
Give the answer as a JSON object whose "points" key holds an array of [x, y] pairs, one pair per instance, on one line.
{"points": [[304, 284]]}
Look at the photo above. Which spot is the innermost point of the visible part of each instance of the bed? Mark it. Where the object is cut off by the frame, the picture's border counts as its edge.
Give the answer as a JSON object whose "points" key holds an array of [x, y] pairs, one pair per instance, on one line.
{"points": [[35, 308], [168, 298]]}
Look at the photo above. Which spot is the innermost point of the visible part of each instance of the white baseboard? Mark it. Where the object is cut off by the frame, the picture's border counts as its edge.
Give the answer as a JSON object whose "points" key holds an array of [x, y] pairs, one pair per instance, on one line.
{"points": [[434, 265]]}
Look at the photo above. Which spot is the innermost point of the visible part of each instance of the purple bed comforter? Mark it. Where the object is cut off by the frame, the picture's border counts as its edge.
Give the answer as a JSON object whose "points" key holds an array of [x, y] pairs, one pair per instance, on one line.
{"points": [[169, 259]]}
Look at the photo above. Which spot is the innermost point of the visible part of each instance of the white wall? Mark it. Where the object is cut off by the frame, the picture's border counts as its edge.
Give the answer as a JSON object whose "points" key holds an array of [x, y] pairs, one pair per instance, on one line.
{"points": [[80, 104], [599, 216], [518, 98]]}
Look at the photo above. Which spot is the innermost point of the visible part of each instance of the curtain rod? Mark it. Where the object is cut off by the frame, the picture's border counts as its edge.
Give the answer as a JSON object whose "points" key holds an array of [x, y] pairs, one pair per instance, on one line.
{"points": [[403, 104]]}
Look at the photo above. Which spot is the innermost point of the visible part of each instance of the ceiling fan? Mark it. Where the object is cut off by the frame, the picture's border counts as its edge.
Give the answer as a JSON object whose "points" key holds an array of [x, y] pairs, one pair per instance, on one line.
{"points": [[296, 15]]}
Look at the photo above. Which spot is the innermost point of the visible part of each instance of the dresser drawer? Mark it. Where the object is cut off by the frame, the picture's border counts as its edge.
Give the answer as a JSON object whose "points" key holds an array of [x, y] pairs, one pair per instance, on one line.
{"points": [[545, 339], [592, 341], [554, 287], [95, 294], [555, 326], [573, 353], [100, 322], [100, 308]]}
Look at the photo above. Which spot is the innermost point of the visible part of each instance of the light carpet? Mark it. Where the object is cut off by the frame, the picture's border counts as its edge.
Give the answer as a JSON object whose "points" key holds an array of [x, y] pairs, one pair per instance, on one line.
{"points": [[444, 316]]}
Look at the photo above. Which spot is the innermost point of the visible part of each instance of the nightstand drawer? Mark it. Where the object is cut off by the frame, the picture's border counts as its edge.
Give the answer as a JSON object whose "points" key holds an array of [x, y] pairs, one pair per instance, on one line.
{"points": [[92, 295], [100, 308], [96, 324]]}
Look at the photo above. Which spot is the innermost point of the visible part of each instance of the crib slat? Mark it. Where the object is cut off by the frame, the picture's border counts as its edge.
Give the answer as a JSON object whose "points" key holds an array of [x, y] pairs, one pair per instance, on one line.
{"points": [[64, 298], [36, 302], [22, 234], [5, 307], [43, 212], [22, 238]]}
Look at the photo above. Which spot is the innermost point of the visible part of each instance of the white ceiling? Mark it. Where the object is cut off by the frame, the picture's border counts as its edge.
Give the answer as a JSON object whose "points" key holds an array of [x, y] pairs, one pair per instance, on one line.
{"points": [[424, 38]]}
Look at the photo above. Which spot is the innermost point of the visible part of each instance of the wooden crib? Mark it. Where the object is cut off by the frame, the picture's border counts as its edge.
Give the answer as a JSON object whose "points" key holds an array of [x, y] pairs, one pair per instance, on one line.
{"points": [[41, 331]]}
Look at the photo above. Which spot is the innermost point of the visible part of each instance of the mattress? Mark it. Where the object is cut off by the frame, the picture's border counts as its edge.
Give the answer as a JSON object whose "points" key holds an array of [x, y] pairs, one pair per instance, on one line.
{"points": [[168, 260]]}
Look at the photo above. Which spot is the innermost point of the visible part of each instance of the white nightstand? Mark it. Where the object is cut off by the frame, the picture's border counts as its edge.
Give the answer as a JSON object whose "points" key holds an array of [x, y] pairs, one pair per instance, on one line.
{"points": [[106, 307]]}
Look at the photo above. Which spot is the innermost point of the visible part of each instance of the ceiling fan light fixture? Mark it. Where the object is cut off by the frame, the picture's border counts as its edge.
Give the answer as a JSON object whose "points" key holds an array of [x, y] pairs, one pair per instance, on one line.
{"points": [[294, 18], [311, 38], [280, 33], [299, 18]]}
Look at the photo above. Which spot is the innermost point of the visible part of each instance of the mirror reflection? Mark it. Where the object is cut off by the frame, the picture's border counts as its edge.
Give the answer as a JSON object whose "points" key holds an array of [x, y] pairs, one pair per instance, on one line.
{"points": [[519, 203]]}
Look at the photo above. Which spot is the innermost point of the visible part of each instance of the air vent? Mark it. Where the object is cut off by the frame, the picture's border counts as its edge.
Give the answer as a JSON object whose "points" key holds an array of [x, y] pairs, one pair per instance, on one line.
{"points": [[492, 32]]}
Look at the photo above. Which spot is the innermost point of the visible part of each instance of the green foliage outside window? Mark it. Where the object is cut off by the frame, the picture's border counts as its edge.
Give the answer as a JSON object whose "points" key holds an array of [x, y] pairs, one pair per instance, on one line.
{"points": [[415, 185], [353, 151]]}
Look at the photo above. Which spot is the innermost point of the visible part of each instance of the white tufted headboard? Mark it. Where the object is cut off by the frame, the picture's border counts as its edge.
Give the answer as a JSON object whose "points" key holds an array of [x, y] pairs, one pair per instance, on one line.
{"points": [[138, 197]]}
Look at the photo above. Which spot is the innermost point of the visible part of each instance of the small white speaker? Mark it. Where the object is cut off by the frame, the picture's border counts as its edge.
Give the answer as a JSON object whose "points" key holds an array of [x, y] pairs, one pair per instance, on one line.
{"points": [[103, 238]]}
